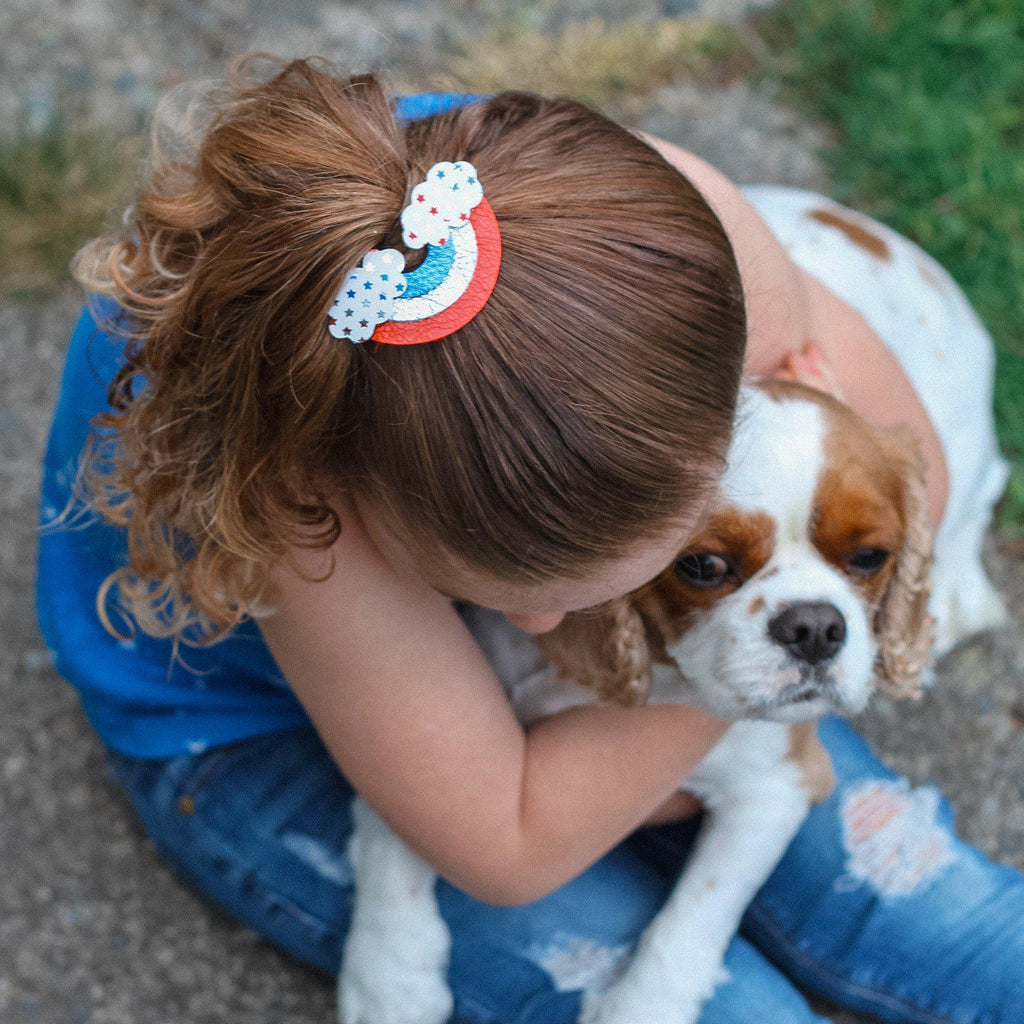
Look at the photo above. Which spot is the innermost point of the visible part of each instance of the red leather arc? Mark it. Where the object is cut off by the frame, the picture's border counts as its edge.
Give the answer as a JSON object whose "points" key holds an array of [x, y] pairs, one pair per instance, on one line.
{"points": [[472, 300]]}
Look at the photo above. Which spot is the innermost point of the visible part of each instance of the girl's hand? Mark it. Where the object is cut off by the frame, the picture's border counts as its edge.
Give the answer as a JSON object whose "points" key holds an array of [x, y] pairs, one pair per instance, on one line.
{"points": [[810, 366]]}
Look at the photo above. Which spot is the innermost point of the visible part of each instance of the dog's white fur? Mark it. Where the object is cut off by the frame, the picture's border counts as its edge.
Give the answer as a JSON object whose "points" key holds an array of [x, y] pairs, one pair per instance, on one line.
{"points": [[394, 968]]}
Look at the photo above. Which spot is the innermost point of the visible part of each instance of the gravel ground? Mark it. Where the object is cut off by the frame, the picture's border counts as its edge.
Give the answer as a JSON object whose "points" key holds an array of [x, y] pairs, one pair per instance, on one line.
{"points": [[108, 59], [94, 929]]}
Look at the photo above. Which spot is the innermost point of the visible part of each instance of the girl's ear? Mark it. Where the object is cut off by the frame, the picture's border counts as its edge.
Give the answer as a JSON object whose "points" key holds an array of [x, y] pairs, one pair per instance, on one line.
{"points": [[604, 648], [902, 624]]}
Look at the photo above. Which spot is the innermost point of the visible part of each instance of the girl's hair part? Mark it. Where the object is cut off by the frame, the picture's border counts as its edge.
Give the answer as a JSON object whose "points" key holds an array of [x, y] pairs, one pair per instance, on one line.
{"points": [[586, 407]]}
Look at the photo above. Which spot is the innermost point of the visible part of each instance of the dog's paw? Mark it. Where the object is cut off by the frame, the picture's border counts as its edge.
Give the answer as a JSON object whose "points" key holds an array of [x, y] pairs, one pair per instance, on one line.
{"points": [[412, 998], [615, 1008], [641, 998], [378, 985]]}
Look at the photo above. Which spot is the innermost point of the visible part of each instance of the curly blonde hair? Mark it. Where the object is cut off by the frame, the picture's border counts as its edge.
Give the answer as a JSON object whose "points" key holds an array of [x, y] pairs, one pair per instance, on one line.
{"points": [[586, 405]]}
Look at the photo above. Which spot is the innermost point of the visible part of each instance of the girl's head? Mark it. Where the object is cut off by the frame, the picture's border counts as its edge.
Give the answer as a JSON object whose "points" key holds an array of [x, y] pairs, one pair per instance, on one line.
{"points": [[585, 410]]}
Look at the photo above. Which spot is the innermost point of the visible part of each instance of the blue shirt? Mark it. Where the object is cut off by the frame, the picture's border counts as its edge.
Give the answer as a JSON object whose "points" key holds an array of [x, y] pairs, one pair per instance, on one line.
{"points": [[141, 700]]}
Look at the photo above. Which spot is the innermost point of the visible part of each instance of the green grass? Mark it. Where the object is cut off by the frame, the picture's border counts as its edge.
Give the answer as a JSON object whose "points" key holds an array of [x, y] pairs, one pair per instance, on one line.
{"points": [[927, 101], [58, 186]]}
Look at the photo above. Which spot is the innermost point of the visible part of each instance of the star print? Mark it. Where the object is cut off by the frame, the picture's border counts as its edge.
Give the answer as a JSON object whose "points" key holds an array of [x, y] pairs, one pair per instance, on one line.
{"points": [[348, 312], [347, 330], [350, 293], [366, 303], [442, 241], [363, 323], [331, 320], [455, 187], [433, 209], [440, 174], [463, 216], [368, 285], [400, 287], [384, 277], [471, 181], [383, 297], [420, 199], [411, 235], [381, 314]]}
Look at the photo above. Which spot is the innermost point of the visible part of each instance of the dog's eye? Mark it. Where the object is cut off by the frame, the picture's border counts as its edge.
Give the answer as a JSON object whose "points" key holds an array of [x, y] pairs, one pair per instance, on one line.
{"points": [[704, 570], [867, 561]]}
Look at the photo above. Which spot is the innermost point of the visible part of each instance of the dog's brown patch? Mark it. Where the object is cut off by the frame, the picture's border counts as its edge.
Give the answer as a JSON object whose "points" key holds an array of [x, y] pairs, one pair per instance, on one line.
{"points": [[746, 537], [874, 495], [929, 276], [859, 501], [856, 233], [806, 751]]}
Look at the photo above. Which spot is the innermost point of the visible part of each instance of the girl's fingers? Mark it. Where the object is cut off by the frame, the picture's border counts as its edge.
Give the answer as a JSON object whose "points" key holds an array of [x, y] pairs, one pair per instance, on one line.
{"points": [[810, 366]]}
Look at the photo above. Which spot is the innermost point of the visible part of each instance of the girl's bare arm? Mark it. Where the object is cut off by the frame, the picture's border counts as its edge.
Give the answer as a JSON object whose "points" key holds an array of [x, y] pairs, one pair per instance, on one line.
{"points": [[412, 713], [786, 307]]}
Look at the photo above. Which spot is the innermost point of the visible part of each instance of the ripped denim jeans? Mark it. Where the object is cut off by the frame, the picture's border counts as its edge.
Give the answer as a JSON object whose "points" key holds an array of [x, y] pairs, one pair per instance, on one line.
{"points": [[877, 905]]}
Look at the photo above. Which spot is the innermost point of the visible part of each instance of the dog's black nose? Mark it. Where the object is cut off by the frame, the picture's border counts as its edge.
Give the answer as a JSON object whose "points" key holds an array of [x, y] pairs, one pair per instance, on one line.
{"points": [[812, 632]]}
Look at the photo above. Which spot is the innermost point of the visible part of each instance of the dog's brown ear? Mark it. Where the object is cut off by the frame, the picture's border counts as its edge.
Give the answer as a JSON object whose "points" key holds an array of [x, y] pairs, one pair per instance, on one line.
{"points": [[903, 626], [604, 648]]}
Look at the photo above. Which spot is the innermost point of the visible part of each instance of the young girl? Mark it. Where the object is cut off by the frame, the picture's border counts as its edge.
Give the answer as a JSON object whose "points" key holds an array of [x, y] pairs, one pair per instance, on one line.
{"points": [[323, 507]]}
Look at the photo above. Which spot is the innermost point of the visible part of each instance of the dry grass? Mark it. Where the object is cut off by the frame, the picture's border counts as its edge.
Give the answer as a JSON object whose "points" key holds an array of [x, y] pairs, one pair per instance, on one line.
{"points": [[606, 65]]}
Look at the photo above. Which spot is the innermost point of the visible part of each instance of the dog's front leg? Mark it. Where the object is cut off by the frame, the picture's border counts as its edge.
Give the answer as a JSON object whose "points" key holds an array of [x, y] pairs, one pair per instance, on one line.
{"points": [[678, 961], [394, 969]]}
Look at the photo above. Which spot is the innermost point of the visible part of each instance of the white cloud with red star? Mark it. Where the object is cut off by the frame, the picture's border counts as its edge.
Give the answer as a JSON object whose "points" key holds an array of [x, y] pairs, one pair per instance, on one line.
{"points": [[441, 203]]}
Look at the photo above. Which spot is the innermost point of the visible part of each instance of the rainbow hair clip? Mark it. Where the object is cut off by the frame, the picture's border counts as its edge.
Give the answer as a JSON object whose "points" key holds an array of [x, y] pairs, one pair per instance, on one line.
{"points": [[380, 301]]}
